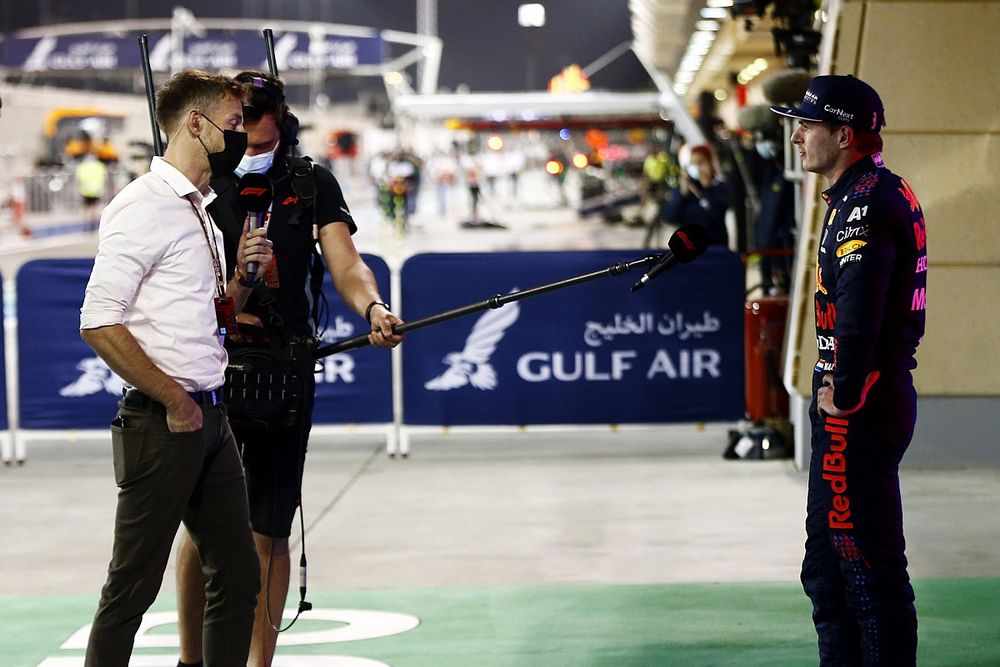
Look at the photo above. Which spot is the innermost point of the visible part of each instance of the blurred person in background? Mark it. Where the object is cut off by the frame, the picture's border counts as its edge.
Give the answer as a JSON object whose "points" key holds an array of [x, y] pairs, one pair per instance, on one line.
{"points": [[653, 186], [402, 181], [514, 164], [442, 167], [492, 162], [473, 174], [773, 222], [701, 197], [414, 180], [92, 182]]}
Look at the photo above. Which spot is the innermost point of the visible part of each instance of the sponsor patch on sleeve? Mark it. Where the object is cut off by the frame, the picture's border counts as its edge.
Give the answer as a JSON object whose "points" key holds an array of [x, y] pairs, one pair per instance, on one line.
{"points": [[847, 259], [851, 246]]}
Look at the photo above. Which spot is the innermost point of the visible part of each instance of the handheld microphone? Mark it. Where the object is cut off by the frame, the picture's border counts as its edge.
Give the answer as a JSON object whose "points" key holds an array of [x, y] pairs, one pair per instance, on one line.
{"points": [[255, 193], [685, 245]]}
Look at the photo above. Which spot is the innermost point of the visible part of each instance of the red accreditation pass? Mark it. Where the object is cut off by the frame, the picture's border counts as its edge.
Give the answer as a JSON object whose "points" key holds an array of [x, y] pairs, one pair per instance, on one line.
{"points": [[225, 315]]}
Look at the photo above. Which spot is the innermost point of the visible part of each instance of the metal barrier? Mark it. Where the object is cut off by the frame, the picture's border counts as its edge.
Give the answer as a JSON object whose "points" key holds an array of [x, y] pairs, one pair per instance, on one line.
{"points": [[54, 189], [51, 190]]}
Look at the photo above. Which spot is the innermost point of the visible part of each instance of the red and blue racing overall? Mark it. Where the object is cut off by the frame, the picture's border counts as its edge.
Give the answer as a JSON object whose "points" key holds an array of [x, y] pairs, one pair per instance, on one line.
{"points": [[871, 279]]}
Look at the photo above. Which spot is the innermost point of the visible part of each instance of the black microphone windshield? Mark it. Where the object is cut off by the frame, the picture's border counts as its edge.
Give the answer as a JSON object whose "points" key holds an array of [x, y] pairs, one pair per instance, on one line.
{"points": [[255, 192], [688, 242]]}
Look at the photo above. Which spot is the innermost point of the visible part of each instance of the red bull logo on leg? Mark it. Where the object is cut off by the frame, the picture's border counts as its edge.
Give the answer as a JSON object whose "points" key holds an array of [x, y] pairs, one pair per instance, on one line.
{"points": [[835, 473]]}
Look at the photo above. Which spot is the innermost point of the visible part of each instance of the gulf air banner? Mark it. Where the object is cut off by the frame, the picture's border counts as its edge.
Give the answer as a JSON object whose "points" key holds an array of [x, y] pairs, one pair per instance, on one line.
{"points": [[353, 387], [63, 384], [593, 353]]}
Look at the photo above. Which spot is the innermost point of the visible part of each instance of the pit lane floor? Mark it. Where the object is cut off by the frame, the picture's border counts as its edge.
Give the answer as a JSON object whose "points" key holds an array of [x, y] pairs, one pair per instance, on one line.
{"points": [[637, 547]]}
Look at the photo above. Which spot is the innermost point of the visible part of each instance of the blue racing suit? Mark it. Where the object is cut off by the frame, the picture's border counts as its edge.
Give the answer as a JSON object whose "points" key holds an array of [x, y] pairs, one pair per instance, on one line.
{"points": [[871, 279]]}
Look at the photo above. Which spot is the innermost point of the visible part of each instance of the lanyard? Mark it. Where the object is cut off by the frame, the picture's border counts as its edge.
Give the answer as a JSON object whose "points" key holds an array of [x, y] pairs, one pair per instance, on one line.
{"points": [[213, 250]]}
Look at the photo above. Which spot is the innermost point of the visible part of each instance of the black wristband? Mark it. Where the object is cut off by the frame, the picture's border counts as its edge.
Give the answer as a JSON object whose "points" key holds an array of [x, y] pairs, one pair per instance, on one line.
{"points": [[242, 279], [368, 310]]}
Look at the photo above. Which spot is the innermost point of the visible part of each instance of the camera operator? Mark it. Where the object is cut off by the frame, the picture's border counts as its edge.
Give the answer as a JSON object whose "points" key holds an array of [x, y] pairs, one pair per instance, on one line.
{"points": [[701, 198], [279, 322]]}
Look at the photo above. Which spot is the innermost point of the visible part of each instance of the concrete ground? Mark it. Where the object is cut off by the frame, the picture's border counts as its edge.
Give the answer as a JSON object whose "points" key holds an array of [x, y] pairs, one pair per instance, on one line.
{"points": [[654, 505]]}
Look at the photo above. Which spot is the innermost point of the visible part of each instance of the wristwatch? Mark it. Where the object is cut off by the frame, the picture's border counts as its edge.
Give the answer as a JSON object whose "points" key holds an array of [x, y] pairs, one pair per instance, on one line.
{"points": [[368, 310]]}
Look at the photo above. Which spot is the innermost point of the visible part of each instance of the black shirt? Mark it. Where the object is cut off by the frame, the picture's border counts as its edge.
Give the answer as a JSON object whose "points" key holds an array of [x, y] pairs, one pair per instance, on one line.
{"points": [[291, 229], [776, 218], [708, 209], [871, 278]]}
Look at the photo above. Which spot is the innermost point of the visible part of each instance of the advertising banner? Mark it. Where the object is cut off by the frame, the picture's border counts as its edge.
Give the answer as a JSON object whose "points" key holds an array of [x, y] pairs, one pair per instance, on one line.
{"points": [[353, 387], [62, 383], [591, 353], [214, 50]]}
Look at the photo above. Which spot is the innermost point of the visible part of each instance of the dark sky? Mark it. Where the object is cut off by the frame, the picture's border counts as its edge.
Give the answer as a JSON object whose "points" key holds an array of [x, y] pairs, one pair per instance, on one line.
{"points": [[483, 45]]}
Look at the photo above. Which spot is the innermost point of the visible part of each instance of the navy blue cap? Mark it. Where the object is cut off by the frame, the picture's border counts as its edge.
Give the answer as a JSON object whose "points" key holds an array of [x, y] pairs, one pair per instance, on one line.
{"points": [[841, 100]]}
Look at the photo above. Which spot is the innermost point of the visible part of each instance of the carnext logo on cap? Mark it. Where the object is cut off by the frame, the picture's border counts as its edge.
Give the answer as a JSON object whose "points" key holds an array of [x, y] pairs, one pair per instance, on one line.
{"points": [[839, 113]]}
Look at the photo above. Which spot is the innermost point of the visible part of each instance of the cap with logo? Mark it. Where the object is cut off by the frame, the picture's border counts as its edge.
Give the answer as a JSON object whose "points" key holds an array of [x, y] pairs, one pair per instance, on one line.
{"points": [[841, 100]]}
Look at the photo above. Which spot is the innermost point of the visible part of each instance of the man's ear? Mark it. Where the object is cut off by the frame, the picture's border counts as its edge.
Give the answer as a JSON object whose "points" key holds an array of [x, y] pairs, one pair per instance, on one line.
{"points": [[846, 137], [193, 120]]}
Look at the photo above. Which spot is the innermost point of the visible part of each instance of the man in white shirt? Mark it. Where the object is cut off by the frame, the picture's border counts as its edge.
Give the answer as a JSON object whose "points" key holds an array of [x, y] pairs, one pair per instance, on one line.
{"points": [[156, 309]]}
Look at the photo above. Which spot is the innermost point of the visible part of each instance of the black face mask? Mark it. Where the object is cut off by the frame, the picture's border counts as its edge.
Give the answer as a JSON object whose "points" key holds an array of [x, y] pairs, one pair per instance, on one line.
{"points": [[225, 161]]}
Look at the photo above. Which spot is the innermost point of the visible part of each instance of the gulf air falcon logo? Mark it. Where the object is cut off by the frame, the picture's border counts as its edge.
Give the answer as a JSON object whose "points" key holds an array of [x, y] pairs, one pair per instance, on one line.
{"points": [[95, 376], [472, 364]]}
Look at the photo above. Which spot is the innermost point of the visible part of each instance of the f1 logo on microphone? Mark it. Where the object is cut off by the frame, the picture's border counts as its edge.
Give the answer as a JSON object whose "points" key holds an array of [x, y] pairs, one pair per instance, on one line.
{"points": [[687, 242], [251, 191]]}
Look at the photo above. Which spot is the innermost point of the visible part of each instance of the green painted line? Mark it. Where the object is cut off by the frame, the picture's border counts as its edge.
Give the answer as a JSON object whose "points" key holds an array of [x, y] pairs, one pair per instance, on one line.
{"points": [[722, 624]]}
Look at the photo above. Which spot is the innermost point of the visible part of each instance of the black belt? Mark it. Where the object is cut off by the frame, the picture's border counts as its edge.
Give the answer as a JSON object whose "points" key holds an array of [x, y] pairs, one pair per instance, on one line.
{"points": [[133, 398]]}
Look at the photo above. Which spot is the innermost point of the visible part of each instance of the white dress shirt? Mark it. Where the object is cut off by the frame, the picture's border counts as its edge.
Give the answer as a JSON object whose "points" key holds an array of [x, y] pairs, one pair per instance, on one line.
{"points": [[153, 274]]}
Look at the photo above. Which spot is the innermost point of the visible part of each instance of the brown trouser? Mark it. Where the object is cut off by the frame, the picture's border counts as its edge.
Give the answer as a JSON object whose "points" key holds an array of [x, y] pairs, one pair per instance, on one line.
{"points": [[165, 478]]}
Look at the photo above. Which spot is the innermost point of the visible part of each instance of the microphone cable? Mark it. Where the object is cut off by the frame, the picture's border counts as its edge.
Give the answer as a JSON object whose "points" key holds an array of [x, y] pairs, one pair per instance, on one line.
{"points": [[304, 605]]}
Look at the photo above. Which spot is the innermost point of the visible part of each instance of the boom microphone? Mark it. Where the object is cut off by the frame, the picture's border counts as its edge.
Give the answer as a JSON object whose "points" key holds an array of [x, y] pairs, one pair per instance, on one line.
{"points": [[685, 245], [255, 193]]}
